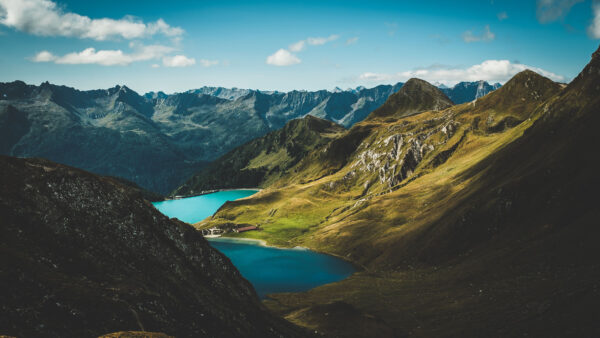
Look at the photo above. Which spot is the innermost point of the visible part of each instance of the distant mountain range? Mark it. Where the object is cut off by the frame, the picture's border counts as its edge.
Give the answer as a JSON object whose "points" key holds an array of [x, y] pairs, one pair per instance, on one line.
{"points": [[158, 140], [468, 91]]}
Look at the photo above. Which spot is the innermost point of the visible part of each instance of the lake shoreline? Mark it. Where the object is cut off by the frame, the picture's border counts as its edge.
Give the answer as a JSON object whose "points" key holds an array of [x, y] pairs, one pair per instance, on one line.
{"points": [[262, 242], [254, 241], [273, 270]]}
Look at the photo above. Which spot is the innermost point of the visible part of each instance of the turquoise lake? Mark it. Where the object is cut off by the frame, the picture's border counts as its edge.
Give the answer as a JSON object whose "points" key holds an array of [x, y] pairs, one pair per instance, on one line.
{"points": [[269, 269], [195, 209]]}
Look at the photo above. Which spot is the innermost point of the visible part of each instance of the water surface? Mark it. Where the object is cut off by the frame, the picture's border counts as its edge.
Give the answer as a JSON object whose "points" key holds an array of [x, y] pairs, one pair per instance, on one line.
{"points": [[195, 209], [269, 269], [272, 270]]}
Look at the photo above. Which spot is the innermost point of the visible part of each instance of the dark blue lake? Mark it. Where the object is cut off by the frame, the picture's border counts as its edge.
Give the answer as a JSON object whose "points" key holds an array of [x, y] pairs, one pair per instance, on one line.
{"points": [[272, 270], [269, 269]]}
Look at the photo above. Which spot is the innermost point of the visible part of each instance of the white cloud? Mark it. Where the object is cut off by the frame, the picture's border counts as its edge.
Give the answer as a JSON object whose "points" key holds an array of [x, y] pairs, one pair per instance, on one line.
{"points": [[285, 57], [106, 57], [282, 57], [491, 71], [352, 40], [298, 46], [43, 56], [594, 28], [178, 61], [552, 10], [208, 63], [155, 65], [321, 41], [318, 41], [486, 35], [502, 16], [45, 18], [101, 57]]}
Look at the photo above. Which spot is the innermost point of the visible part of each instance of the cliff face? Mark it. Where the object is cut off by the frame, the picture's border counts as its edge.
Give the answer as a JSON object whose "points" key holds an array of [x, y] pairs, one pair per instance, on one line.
{"points": [[82, 255]]}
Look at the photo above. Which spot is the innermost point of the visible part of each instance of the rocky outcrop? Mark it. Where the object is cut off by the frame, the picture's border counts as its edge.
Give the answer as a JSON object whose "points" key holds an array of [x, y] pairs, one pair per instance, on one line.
{"points": [[83, 255]]}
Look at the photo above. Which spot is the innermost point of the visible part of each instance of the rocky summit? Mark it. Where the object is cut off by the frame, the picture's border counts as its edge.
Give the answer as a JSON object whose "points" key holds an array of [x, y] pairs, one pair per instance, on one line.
{"points": [[82, 255]]}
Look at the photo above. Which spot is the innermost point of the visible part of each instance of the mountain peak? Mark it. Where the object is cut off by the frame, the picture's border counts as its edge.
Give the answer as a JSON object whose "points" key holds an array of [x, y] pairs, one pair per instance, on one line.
{"points": [[528, 80], [415, 96], [521, 94], [313, 124], [417, 83]]}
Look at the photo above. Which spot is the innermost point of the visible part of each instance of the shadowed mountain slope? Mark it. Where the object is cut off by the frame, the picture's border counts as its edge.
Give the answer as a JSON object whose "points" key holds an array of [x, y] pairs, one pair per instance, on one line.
{"points": [[83, 255]]}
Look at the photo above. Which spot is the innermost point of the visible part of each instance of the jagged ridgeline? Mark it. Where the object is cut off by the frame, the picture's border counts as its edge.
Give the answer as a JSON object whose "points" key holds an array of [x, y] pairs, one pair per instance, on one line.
{"points": [[157, 140], [472, 219], [82, 255]]}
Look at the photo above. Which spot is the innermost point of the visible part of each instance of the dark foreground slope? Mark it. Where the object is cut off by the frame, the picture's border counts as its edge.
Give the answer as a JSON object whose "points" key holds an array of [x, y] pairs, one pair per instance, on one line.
{"points": [[265, 159], [82, 256], [492, 232]]}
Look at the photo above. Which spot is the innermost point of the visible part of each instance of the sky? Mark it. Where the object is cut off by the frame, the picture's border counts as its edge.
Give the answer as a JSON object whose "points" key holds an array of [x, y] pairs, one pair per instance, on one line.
{"points": [[174, 46]]}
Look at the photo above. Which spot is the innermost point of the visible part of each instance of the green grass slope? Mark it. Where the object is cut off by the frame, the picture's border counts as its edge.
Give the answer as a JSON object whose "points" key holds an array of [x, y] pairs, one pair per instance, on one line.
{"points": [[476, 220]]}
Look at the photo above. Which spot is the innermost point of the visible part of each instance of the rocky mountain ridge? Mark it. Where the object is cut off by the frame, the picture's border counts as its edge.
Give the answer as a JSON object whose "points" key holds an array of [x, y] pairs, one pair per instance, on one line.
{"points": [[157, 140]]}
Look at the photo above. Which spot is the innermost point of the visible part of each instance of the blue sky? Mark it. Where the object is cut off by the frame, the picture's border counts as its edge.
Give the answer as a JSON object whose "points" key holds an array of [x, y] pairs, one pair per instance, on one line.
{"points": [[284, 45]]}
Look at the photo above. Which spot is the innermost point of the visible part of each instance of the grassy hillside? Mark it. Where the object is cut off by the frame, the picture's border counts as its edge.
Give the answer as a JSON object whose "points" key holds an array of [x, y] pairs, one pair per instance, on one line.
{"points": [[475, 220], [262, 161]]}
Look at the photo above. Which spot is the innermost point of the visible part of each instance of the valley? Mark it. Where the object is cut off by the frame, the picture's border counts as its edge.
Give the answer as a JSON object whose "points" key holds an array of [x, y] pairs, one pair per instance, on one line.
{"points": [[448, 211], [342, 169]]}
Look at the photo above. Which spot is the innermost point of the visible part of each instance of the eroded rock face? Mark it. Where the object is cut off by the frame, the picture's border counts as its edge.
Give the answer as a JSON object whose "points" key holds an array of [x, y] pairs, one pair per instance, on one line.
{"points": [[84, 255], [396, 157]]}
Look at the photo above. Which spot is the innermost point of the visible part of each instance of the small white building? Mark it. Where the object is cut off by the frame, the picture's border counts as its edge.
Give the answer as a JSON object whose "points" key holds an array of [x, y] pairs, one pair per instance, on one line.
{"points": [[212, 232]]}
